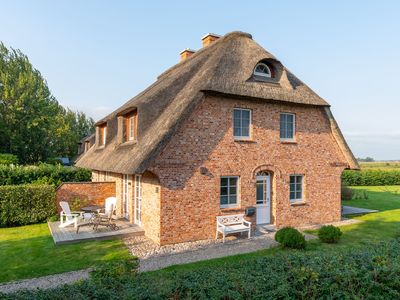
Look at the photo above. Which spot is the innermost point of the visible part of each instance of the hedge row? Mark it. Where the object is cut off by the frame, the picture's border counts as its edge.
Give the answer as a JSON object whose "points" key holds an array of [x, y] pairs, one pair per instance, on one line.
{"points": [[370, 272], [26, 204], [42, 174], [8, 159], [371, 177]]}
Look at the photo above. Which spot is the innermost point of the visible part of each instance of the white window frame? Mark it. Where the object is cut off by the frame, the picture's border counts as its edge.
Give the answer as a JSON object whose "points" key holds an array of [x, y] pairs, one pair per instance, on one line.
{"points": [[293, 129], [243, 137], [269, 75], [138, 200], [228, 187], [104, 135], [295, 190], [132, 127]]}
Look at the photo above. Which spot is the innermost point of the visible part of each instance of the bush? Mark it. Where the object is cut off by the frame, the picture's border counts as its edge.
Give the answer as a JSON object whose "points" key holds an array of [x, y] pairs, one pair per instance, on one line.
{"points": [[8, 159], [329, 234], [371, 177], [346, 192], [42, 174], [289, 237], [366, 272], [26, 204]]}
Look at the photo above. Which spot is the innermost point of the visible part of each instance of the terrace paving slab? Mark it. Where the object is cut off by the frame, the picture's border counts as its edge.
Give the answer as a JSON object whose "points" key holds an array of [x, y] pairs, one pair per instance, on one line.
{"points": [[351, 210]]}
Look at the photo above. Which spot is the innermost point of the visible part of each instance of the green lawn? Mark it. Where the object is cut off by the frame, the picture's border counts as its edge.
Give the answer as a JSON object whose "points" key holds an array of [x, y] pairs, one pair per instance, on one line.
{"points": [[29, 251], [379, 197], [379, 226]]}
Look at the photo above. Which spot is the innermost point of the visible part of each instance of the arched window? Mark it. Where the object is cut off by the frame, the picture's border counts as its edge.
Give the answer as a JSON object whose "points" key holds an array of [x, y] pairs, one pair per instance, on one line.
{"points": [[262, 70]]}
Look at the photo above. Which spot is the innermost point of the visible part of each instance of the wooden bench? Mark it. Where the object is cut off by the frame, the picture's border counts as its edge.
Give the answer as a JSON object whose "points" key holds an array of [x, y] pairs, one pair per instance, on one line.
{"points": [[232, 224]]}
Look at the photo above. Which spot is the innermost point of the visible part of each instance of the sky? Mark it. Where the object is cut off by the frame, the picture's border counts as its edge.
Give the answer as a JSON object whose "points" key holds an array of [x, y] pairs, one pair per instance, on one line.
{"points": [[96, 55]]}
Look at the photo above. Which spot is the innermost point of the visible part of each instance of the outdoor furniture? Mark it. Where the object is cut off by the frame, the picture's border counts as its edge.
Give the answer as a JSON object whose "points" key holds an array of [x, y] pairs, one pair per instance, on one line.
{"points": [[89, 215], [232, 224], [68, 217], [106, 218]]}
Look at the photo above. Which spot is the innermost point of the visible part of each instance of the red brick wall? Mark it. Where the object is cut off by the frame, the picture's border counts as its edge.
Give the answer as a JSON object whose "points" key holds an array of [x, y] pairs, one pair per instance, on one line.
{"points": [[90, 192], [190, 200]]}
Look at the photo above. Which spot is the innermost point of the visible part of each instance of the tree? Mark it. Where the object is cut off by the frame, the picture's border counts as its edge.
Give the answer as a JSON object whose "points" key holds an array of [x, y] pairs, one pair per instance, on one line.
{"points": [[33, 125]]}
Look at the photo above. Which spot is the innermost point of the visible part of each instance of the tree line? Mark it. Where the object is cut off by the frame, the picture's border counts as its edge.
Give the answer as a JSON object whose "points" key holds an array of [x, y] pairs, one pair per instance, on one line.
{"points": [[33, 125]]}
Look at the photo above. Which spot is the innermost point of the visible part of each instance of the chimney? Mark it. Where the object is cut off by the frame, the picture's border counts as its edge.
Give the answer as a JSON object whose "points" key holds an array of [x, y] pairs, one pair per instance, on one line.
{"points": [[209, 38], [186, 53]]}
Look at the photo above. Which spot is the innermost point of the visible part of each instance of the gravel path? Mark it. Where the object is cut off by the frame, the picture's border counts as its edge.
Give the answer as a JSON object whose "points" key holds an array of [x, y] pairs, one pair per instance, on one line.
{"points": [[45, 282]]}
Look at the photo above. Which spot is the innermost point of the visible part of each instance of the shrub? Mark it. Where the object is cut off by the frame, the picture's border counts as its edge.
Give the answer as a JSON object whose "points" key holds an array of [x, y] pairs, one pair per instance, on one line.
{"points": [[26, 204], [8, 159], [115, 269], [42, 174], [346, 192], [290, 237], [329, 234], [364, 272], [371, 177]]}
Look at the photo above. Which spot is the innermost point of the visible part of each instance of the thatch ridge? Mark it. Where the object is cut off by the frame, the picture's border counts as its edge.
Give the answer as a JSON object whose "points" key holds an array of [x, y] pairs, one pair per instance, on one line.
{"points": [[225, 66]]}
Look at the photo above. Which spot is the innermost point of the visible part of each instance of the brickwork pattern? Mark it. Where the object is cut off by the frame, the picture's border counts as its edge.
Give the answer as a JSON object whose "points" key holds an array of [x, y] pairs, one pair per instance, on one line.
{"points": [[190, 197], [90, 192]]}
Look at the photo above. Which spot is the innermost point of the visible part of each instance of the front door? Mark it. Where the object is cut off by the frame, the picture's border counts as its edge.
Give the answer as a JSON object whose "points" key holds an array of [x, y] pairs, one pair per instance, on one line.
{"points": [[125, 195], [263, 202]]}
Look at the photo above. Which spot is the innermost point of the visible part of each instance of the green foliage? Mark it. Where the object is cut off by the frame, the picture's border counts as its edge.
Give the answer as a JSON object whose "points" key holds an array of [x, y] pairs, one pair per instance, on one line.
{"points": [[368, 272], [329, 234], [290, 237], [77, 203], [42, 174], [8, 159], [371, 177], [346, 192], [26, 204], [106, 273], [33, 125]]}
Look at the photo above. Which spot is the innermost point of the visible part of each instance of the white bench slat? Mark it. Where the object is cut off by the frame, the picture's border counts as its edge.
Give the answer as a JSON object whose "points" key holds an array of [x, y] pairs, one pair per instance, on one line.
{"points": [[232, 224]]}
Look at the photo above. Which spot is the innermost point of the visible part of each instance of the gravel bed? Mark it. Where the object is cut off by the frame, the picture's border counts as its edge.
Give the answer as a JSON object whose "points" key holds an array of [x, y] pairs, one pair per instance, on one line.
{"points": [[45, 282]]}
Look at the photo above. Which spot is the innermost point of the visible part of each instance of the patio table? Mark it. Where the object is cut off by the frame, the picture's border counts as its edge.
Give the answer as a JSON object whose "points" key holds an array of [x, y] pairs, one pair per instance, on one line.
{"points": [[93, 210]]}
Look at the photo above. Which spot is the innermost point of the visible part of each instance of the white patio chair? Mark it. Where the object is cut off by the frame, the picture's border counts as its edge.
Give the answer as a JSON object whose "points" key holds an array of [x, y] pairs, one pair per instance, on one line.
{"points": [[68, 217], [109, 207]]}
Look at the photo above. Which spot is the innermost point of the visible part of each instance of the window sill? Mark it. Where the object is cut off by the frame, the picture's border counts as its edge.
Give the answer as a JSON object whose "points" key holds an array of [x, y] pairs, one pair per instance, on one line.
{"points": [[127, 143], [298, 203], [293, 142], [243, 140], [229, 208]]}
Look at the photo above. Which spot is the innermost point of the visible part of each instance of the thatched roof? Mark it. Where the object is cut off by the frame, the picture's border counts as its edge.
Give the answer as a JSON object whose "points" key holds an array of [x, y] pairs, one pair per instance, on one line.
{"points": [[226, 67]]}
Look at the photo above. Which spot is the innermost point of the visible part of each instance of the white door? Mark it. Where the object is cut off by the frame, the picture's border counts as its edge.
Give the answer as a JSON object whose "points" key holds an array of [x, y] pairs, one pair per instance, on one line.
{"points": [[263, 202], [138, 200], [125, 195]]}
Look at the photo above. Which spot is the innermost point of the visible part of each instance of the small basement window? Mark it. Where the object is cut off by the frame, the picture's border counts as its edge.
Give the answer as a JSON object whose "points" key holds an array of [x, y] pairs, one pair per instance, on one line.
{"points": [[102, 135], [262, 70]]}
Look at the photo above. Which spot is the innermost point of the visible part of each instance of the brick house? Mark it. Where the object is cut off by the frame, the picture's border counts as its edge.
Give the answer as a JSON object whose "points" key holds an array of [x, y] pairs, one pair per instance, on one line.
{"points": [[226, 129]]}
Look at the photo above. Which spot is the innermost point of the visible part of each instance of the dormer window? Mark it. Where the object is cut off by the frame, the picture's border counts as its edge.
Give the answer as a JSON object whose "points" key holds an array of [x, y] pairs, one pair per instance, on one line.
{"points": [[102, 134], [130, 126], [262, 70]]}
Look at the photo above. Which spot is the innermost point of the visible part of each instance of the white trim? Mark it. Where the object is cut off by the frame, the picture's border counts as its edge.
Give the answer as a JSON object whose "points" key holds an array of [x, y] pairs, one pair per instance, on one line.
{"points": [[138, 200], [293, 128], [295, 200], [228, 186], [131, 134], [125, 195], [243, 137], [269, 75]]}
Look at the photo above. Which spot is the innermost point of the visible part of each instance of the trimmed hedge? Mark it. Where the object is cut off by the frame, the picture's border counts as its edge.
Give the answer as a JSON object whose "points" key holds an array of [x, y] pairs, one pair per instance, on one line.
{"points": [[329, 234], [26, 204], [367, 272], [42, 174], [371, 177]]}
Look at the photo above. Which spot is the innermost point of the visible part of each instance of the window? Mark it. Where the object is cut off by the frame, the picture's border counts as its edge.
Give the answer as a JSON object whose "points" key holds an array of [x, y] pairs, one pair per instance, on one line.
{"points": [[262, 70], [102, 135], [296, 188], [241, 123], [287, 126], [130, 126], [229, 191]]}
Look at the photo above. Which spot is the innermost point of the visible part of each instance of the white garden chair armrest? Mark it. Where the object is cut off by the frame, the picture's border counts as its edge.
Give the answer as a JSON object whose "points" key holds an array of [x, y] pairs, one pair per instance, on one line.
{"points": [[247, 222]]}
